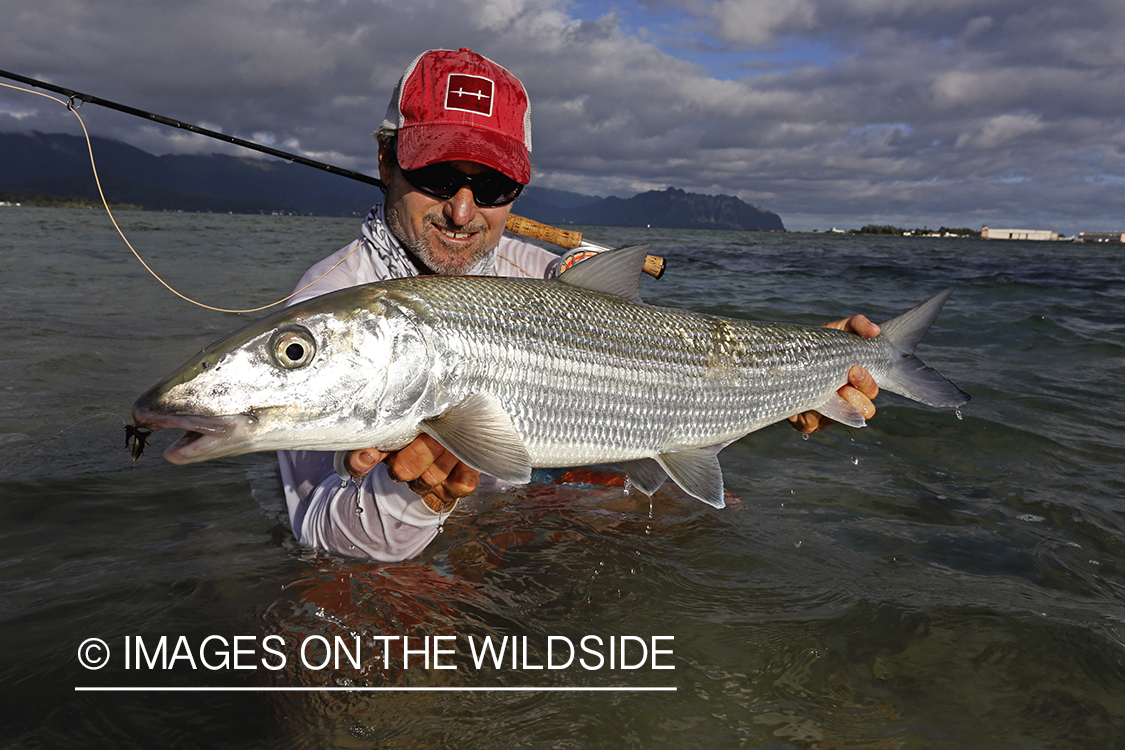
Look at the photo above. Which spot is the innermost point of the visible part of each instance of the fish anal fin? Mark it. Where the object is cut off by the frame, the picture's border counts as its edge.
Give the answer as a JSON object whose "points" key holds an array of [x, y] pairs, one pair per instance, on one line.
{"points": [[481, 434], [698, 473], [842, 411]]}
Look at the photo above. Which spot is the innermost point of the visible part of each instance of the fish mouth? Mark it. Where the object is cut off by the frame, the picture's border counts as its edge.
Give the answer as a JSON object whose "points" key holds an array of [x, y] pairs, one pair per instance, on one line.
{"points": [[203, 438]]}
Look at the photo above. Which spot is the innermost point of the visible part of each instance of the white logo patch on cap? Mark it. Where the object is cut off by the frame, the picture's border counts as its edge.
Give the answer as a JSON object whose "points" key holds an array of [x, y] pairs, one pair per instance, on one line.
{"points": [[468, 93]]}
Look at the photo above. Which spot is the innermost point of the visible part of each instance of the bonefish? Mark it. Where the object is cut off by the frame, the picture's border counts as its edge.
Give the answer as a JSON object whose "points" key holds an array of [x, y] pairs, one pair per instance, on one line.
{"points": [[515, 374]]}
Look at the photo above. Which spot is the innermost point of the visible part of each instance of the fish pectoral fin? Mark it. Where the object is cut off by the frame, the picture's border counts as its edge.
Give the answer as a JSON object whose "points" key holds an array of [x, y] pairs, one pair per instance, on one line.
{"points": [[481, 434], [698, 473], [646, 474], [616, 272], [842, 411]]}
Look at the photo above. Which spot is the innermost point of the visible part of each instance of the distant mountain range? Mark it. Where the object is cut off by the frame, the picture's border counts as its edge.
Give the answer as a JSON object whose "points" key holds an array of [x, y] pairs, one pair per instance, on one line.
{"points": [[672, 208], [59, 165]]}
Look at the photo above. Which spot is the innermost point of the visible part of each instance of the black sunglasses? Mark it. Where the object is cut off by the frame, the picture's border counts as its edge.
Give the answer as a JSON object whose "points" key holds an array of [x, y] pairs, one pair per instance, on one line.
{"points": [[490, 189]]}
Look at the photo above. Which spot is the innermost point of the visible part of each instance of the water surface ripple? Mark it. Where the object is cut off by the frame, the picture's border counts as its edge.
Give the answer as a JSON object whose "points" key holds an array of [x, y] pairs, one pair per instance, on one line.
{"points": [[926, 582]]}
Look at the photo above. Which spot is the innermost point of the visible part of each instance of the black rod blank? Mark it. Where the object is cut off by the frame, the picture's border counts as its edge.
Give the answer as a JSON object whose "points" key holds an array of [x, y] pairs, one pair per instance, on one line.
{"points": [[73, 95]]}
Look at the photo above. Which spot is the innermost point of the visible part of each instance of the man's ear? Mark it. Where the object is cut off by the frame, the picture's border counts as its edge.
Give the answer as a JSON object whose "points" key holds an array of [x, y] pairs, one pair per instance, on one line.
{"points": [[387, 162]]}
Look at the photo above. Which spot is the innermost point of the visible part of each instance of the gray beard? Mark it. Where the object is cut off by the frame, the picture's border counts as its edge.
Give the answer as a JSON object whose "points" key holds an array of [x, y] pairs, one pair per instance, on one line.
{"points": [[477, 264]]}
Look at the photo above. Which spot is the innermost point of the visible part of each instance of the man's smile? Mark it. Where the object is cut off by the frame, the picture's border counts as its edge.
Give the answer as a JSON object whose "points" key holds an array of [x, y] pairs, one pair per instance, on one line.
{"points": [[459, 236]]}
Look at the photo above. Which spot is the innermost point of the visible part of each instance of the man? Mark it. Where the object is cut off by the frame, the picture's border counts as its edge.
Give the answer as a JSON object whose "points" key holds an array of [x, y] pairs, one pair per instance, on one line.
{"points": [[454, 152]]}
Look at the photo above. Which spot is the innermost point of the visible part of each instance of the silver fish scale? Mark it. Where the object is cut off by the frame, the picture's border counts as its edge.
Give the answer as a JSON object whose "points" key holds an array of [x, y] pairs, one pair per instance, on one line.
{"points": [[589, 377]]}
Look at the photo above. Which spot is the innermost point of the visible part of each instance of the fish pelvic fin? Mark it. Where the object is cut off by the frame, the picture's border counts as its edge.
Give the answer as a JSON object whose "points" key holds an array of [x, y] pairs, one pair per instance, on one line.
{"points": [[616, 272], [481, 434], [908, 375], [698, 473]]}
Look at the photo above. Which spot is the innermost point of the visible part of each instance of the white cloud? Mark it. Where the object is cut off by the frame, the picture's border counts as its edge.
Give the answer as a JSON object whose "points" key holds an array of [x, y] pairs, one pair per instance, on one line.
{"points": [[1000, 130], [759, 21], [922, 105], [977, 26]]}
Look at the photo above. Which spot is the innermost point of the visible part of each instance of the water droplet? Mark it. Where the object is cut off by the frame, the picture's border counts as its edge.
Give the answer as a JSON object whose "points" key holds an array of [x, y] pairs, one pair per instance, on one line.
{"points": [[359, 510], [628, 485], [804, 436], [855, 461], [958, 413], [798, 544]]}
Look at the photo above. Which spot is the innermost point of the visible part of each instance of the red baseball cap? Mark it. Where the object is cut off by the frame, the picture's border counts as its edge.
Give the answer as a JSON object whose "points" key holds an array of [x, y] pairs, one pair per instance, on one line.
{"points": [[461, 106]]}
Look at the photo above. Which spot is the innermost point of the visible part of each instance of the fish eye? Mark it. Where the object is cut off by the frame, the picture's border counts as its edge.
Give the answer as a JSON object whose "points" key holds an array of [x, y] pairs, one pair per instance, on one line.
{"points": [[293, 348]]}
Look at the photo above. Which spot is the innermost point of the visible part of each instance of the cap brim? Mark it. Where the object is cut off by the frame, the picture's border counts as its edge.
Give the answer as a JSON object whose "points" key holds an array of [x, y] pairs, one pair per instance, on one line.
{"points": [[423, 145]]}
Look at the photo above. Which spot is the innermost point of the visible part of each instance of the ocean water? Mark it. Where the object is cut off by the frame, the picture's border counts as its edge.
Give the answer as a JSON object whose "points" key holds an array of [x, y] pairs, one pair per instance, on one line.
{"points": [[934, 580]]}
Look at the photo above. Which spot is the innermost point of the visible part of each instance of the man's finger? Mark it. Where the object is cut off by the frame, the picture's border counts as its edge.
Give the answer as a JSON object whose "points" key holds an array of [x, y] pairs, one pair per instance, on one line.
{"points": [[363, 460], [861, 380], [463, 480], [857, 324], [857, 399], [437, 472], [411, 462], [806, 422]]}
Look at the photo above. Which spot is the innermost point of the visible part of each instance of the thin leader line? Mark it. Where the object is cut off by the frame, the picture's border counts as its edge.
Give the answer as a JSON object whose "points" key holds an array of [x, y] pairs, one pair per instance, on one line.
{"points": [[97, 181]]}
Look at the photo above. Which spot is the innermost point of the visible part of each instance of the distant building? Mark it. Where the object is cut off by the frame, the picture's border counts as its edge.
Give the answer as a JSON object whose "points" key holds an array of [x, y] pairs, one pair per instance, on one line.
{"points": [[1101, 237], [1018, 234]]}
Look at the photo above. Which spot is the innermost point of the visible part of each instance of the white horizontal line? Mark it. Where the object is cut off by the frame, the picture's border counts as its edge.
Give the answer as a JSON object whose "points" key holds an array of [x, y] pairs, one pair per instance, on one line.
{"points": [[371, 689]]}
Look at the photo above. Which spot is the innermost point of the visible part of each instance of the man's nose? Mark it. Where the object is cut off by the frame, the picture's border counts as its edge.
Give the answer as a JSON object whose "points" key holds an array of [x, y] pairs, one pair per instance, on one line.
{"points": [[460, 208]]}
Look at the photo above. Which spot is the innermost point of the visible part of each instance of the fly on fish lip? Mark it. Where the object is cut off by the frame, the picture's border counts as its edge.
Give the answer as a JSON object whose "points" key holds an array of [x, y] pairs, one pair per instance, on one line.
{"points": [[201, 433], [139, 436]]}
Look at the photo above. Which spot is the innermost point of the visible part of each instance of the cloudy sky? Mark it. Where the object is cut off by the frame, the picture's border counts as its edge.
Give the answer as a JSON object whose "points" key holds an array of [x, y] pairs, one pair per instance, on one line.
{"points": [[828, 112]]}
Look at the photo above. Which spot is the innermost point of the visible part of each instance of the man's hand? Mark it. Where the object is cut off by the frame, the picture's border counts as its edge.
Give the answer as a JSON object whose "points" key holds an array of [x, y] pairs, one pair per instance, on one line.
{"points": [[427, 468], [861, 387]]}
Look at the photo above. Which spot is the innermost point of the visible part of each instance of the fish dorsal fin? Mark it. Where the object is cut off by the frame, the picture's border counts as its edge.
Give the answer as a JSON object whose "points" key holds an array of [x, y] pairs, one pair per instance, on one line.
{"points": [[842, 411], [646, 474], [480, 433], [698, 473], [616, 272]]}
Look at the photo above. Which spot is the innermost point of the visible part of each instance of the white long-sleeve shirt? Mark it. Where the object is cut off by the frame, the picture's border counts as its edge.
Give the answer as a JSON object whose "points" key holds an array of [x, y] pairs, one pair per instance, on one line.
{"points": [[376, 517]]}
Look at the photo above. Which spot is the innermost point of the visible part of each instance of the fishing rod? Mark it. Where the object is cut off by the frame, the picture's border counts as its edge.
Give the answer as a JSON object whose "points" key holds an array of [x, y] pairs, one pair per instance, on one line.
{"points": [[79, 96], [568, 239]]}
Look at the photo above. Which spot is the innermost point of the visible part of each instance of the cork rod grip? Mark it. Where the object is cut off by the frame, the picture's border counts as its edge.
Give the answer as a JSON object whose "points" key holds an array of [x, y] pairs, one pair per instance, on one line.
{"points": [[536, 231], [654, 265]]}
